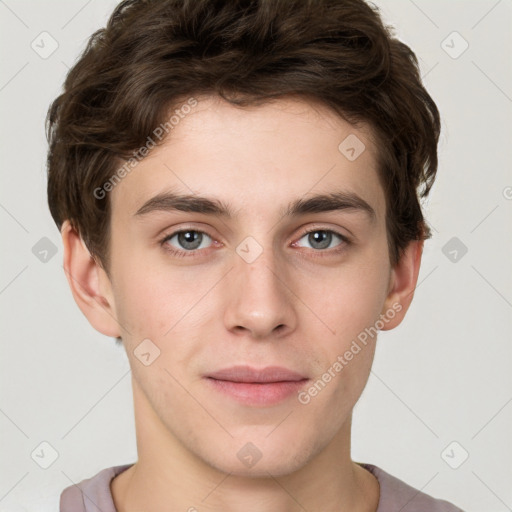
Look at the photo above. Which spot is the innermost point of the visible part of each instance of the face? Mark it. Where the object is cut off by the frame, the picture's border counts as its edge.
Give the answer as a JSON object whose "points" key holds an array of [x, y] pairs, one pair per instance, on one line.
{"points": [[282, 278]]}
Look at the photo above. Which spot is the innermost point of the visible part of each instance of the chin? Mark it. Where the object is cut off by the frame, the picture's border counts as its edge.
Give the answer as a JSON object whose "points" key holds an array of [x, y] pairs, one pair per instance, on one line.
{"points": [[262, 469], [262, 457]]}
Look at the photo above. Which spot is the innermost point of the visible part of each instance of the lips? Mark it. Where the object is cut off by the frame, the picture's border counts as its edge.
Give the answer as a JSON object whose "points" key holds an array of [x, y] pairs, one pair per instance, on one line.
{"points": [[256, 387], [253, 375]]}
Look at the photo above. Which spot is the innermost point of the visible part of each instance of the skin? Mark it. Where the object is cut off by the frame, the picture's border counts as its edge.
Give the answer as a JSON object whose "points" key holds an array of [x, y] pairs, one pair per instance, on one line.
{"points": [[296, 305]]}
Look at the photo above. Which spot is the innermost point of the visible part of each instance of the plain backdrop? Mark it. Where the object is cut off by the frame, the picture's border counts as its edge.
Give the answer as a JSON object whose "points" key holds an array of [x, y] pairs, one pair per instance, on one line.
{"points": [[437, 410]]}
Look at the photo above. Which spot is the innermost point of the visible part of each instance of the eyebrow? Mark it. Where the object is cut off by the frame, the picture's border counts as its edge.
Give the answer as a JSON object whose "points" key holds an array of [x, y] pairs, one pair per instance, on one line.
{"points": [[336, 201]]}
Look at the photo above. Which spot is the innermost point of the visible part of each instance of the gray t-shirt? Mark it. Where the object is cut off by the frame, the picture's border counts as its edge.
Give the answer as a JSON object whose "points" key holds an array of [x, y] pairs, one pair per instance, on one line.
{"points": [[93, 494]]}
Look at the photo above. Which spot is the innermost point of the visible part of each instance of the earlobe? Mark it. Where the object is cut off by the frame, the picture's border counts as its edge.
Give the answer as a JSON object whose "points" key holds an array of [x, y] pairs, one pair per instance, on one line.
{"points": [[89, 283], [403, 280]]}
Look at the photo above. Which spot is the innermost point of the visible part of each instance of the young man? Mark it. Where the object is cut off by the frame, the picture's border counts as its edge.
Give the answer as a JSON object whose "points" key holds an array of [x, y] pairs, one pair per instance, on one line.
{"points": [[237, 187]]}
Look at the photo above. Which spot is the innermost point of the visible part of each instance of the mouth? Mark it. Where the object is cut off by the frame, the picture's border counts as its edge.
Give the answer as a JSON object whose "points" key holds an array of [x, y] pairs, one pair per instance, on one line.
{"points": [[257, 387]]}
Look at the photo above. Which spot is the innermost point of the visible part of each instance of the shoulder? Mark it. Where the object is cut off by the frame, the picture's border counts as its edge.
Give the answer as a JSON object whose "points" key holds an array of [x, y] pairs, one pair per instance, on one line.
{"points": [[397, 495], [91, 494]]}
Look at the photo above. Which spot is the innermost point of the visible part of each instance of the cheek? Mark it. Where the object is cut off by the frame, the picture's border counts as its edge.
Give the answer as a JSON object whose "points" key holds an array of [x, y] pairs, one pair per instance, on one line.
{"points": [[348, 300], [161, 302]]}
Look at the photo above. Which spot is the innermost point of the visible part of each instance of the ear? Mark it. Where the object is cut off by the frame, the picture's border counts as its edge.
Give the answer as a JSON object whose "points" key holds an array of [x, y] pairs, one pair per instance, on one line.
{"points": [[402, 283], [89, 283]]}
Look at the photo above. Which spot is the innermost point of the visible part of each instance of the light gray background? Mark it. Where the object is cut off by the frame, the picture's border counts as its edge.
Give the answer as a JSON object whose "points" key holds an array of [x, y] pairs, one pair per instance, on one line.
{"points": [[444, 375]]}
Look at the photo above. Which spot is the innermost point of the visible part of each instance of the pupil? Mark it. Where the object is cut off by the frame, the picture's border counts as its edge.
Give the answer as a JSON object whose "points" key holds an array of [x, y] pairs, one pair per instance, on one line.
{"points": [[323, 238], [188, 239]]}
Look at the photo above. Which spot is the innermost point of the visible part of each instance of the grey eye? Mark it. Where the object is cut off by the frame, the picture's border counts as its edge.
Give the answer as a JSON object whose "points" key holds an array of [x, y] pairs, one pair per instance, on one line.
{"points": [[320, 238], [189, 239]]}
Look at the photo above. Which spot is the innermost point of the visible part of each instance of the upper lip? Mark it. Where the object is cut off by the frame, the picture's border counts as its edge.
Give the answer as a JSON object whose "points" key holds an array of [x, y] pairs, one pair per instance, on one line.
{"points": [[249, 374]]}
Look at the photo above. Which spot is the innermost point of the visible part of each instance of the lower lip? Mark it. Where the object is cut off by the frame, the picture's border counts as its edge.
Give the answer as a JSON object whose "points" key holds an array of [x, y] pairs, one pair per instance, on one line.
{"points": [[266, 394]]}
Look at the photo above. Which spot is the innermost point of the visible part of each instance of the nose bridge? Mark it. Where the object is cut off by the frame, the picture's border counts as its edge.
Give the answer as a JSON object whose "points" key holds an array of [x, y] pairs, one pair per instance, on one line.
{"points": [[259, 299]]}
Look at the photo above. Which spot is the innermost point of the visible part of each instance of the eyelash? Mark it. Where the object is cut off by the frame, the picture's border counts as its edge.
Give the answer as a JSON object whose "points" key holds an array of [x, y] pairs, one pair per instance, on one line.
{"points": [[316, 253]]}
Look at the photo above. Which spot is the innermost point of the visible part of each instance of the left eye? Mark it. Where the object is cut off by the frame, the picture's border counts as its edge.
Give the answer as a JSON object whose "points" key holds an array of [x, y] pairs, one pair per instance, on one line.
{"points": [[322, 238], [190, 239]]}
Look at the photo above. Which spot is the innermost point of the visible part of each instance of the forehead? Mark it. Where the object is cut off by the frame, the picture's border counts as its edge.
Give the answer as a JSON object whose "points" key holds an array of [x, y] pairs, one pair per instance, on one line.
{"points": [[256, 159]]}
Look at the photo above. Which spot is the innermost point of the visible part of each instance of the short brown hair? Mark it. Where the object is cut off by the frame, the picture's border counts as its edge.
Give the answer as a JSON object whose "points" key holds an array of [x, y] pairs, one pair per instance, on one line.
{"points": [[154, 53]]}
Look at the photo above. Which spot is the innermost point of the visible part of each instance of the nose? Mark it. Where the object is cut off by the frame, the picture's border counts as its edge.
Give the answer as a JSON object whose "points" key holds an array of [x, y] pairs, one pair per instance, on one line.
{"points": [[260, 299]]}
